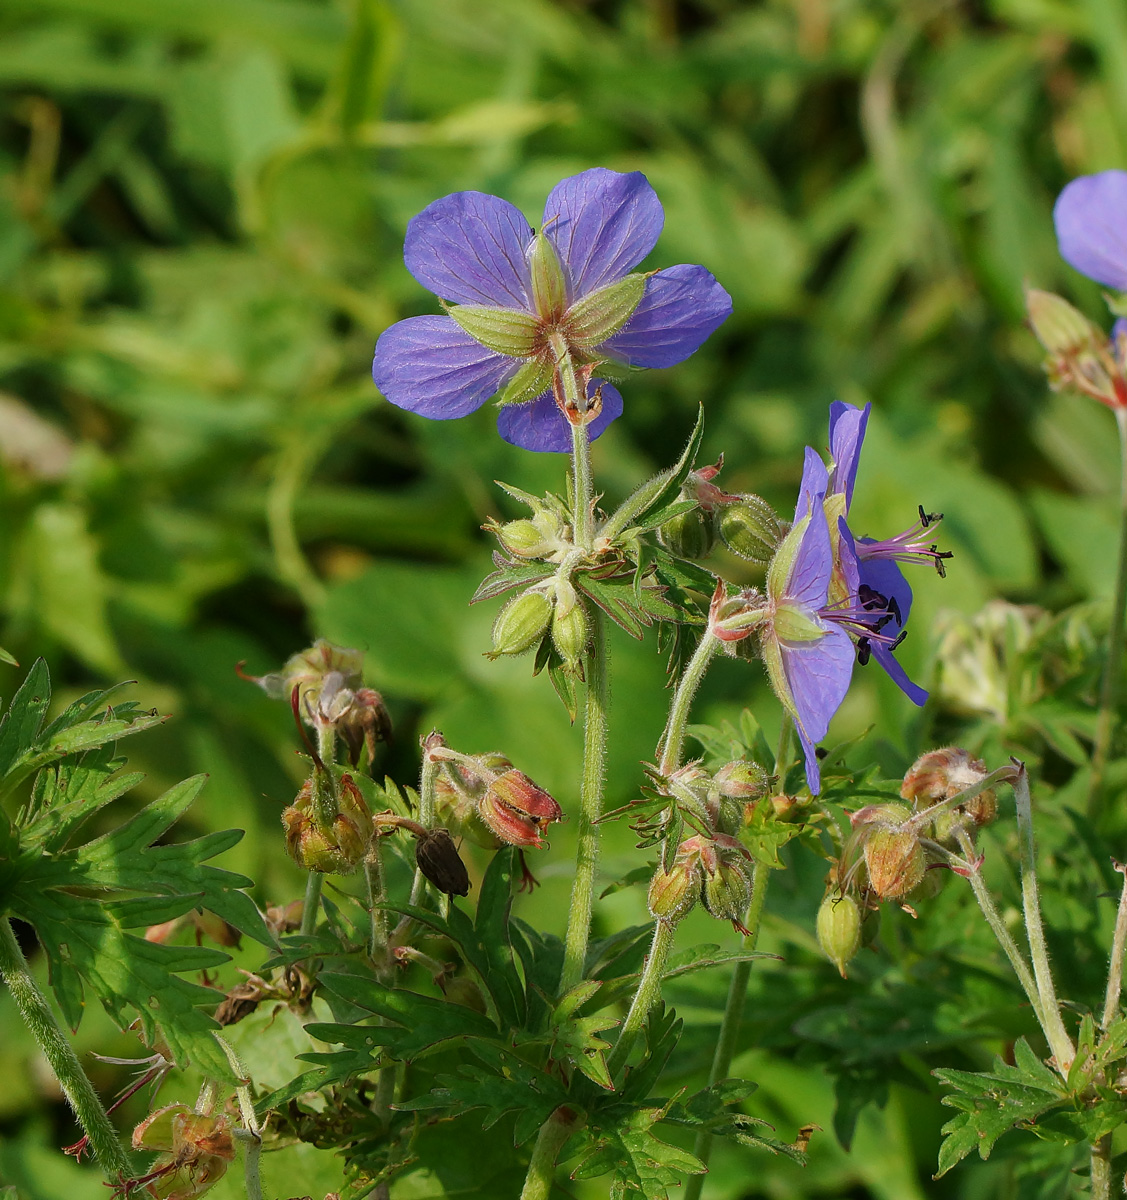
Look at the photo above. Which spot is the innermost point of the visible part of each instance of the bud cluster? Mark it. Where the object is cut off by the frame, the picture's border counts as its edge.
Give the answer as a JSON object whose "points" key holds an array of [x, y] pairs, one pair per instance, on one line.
{"points": [[551, 605], [892, 850], [1079, 354], [329, 826], [711, 865], [746, 524]]}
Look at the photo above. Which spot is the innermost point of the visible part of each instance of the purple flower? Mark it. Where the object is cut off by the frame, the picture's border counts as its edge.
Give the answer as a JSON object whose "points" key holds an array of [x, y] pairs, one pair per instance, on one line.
{"points": [[868, 592], [1091, 222], [809, 658], [527, 312]]}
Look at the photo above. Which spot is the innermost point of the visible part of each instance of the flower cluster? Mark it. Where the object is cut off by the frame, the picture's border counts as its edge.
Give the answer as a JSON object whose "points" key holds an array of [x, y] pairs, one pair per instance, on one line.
{"points": [[543, 318]]}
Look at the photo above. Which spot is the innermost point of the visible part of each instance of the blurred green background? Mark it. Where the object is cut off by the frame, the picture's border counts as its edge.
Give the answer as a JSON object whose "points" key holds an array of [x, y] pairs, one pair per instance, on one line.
{"points": [[202, 206]]}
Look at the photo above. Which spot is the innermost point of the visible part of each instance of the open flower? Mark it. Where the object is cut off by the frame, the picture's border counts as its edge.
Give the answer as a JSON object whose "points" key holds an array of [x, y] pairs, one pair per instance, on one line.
{"points": [[809, 658], [526, 309], [868, 590]]}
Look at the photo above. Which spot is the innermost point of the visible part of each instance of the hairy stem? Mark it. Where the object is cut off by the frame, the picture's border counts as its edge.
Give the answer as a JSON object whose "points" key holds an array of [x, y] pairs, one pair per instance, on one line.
{"points": [[1059, 1041], [1109, 687], [549, 1142], [673, 739], [590, 808], [251, 1131], [428, 781], [994, 919], [647, 995], [59, 1053], [1101, 1169], [734, 1006], [1115, 962]]}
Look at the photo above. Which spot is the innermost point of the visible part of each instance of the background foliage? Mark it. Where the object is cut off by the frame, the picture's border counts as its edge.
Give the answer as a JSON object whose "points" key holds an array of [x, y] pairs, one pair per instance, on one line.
{"points": [[202, 205]]}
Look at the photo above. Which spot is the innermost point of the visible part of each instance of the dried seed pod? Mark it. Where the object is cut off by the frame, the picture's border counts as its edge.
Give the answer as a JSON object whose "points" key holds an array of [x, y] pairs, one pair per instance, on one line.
{"points": [[438, 859]]}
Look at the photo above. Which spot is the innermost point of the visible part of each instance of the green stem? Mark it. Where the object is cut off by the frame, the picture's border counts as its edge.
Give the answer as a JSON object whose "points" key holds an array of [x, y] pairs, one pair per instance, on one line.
{"points": [[251, 1132], [312, 902], [1115, 962], [1059, 1041], [590, 808], [1100, 1188], [428, 781], [549, 1142], [647, 995], [673, 739], [59, 1053], [294, 463], [993, 917], [1109, 687], [734, 1006]]}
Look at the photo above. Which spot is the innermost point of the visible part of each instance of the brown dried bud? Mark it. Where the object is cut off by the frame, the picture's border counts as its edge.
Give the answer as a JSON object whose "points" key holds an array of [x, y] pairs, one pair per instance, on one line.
{"points": [[942, 775], [438, 859], [338, 849], [518, 810], [364, 722]]}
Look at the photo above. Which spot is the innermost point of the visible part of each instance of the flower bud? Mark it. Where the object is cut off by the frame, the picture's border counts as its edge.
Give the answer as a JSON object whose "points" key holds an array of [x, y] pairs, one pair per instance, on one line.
{"points": [[839, 929], [741, 779], [673, 893], [690, 534], [570, 632], [521, 623], [338, 846], [323, 667], [751, 528], [1079, 352], [437, 858], [363, 723], [518, 810], [894, 860], [941, 775], [523, 538], [727, 892]]}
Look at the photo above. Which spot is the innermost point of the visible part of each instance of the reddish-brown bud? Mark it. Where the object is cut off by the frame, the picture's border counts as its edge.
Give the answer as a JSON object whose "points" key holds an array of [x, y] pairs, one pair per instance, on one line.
{"points": [[518, 810], [942, 775], [338, 847], [894, 860]]}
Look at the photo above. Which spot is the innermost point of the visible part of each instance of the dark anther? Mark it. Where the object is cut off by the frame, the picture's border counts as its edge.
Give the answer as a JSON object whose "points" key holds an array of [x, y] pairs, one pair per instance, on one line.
{"points": [[903, 634], [939, 556], [927, 518], [894, 609], [864, 649]]}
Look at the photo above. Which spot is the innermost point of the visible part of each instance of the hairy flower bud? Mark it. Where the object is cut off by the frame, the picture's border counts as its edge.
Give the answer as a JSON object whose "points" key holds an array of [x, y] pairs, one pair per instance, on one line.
{"points": [[673, 893], [751, 528], [839, 928], [523, 538], [570, 631], [690, 534], [741, 779], [518, 810], [894, 860], [337, 846], [941, 775], [521, 623], [363, 723], [1080, 355]]}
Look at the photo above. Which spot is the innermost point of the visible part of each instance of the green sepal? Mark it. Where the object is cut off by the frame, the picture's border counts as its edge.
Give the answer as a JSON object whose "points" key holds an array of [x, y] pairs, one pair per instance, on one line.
{"points": [[532, 380], [603, 313], [506, 330], [549, 285]]}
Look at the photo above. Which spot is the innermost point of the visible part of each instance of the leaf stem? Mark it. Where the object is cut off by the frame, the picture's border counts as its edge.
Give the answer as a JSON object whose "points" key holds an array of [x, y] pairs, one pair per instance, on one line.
{"points": [[647, 995], [590, 808], [428, 781], [1063, 1050], [550, 1141], [56, 1048], [1109, 687], [1115, 962], [251, 1133]]}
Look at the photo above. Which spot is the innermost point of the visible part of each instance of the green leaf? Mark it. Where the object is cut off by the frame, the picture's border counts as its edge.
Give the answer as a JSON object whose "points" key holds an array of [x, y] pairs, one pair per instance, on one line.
{"points": [[641, 1163], [994, 1102]]}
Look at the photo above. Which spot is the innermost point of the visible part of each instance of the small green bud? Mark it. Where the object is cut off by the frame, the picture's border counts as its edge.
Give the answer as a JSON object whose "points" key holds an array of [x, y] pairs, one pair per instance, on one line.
{"points": [[506, 330], [1059, 327], [524, 538], [673, 893], [570, 631], [549, 286], [690, 534], [727, 892], [741, 779], [839, 929], [521, 623], [751, 529], [601, 314]]}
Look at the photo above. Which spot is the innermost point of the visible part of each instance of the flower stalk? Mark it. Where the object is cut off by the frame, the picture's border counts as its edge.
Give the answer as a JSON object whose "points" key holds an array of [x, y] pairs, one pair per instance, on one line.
{"points": [[59, 1053]]}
